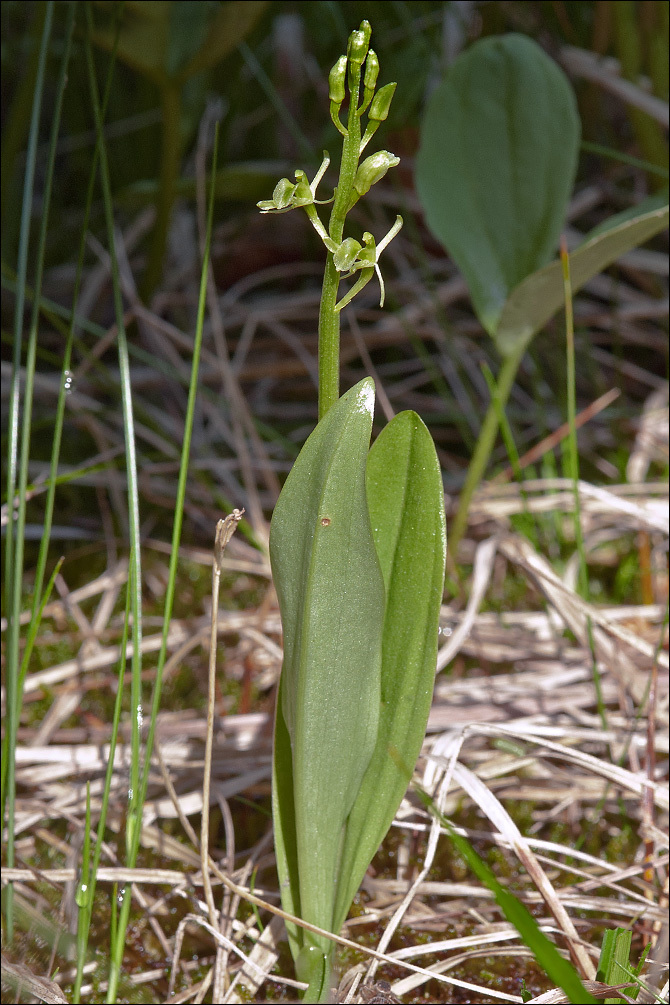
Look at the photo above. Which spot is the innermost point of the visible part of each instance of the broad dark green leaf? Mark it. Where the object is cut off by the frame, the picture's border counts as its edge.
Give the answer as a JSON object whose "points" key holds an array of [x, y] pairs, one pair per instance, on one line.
{"points": [[499, 145], [538, 297], [406, 503], [331, 597]]}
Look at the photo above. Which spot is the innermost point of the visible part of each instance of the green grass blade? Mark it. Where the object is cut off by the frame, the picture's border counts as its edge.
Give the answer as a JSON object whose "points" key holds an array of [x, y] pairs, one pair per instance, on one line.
{"points": [[614, 964], [86, 897], [485, 443], [406, 504], [17, 473], [558, 969], [135, 574], [526, 521], [572, 453]]}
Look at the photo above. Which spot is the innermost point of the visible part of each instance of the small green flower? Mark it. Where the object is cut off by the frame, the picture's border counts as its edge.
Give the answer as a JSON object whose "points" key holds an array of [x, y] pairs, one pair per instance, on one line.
{"points": [[352, 257], [289, 195]]}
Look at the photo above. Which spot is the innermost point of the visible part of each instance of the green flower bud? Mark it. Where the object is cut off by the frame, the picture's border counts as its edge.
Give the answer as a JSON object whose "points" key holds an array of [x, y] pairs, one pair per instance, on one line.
{"points": [[359, 41], [336, 79], [371, 71], [381, 103], [373, 170]]}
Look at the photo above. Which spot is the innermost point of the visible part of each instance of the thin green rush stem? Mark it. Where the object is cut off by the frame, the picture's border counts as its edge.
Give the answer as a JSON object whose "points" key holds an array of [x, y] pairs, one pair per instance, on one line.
{"points": [[329, 318], [134, 815], [512, 452], [86, 909], [14, 553], [573, 457], [573, 464], [86, 895], [172, 574], [12, 601], [485, 441]]}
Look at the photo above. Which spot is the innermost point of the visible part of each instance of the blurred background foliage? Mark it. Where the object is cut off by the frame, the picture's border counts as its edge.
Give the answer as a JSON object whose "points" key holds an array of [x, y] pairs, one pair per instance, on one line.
{"points": [[266, 65]]}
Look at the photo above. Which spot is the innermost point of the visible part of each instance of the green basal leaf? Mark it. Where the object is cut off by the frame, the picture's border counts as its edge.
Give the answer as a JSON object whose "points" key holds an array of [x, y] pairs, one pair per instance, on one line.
{"points": [[537, 298], [331, 597], [499, 147], [313, 966], [406, 503], [283, 822]]}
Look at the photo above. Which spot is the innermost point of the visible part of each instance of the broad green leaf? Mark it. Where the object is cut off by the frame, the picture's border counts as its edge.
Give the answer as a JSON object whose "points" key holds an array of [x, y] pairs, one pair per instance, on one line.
{"points": [[331, 598], [538, 297], [406, 503], [499, 146]]}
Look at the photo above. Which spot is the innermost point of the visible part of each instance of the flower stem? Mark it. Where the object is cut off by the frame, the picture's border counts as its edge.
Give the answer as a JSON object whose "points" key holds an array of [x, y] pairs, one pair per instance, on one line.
{"points": [[329, 318]]}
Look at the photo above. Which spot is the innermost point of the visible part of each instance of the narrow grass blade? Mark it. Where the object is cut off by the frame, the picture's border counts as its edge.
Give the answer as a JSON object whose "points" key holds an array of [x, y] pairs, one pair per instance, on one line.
{"points": [[18, 472], [614, 964], [86, 897], [135, 809], [558, 969]]}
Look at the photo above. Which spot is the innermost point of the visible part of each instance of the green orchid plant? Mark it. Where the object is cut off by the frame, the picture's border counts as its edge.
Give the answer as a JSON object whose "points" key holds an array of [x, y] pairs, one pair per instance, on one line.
{"points": [[358, 549]]}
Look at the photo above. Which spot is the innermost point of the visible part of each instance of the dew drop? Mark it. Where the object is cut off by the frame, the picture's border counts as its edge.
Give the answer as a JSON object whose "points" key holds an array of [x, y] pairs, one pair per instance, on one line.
{"points": [[68, 381]]}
